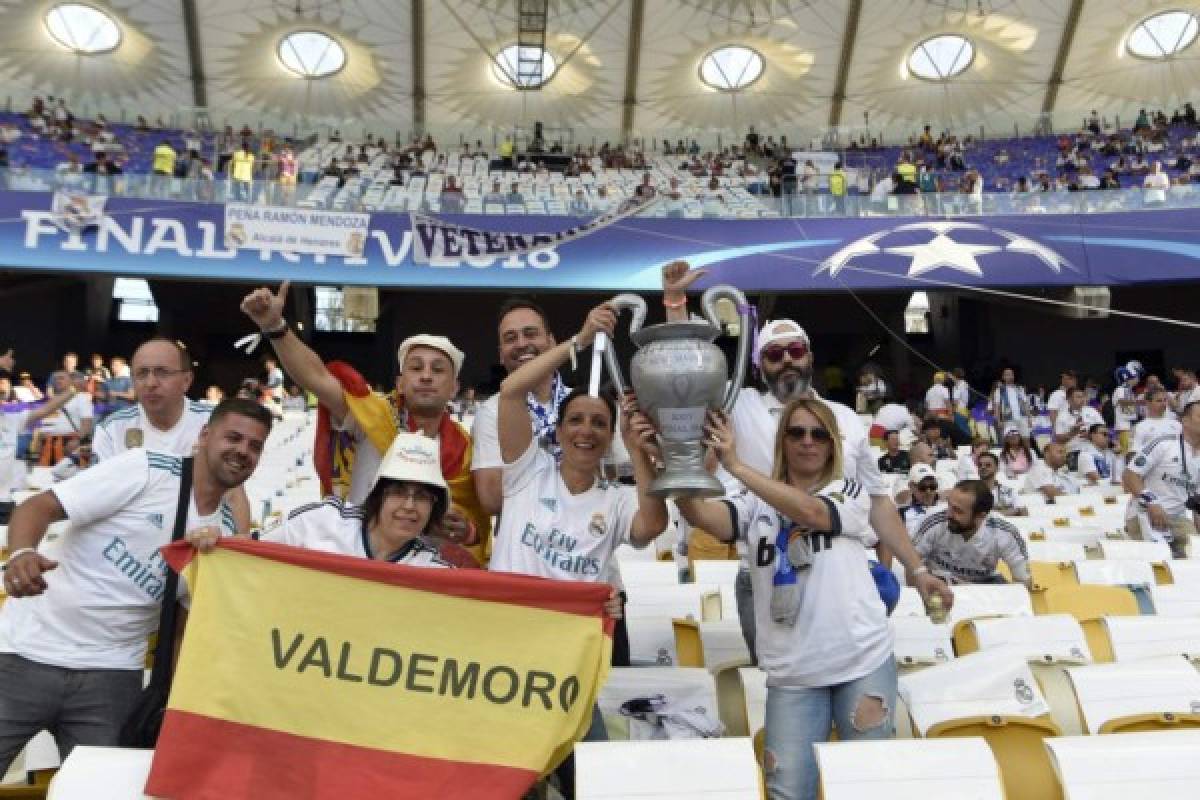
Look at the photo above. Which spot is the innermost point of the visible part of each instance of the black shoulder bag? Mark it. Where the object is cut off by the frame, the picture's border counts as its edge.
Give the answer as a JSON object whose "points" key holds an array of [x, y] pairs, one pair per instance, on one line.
{"points": [[145, 721]]}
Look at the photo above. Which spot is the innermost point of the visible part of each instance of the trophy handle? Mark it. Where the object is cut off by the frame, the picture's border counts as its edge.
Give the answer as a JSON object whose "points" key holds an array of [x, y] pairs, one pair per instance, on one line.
{"points": [[636, 306], [708, 302]]}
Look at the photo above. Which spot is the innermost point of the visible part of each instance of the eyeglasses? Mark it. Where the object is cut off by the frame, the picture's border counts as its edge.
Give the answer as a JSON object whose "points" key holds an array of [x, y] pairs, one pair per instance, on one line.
{"points": [[797, 351], [158, 373], [798, 433], [927, 487], [411, 494]]}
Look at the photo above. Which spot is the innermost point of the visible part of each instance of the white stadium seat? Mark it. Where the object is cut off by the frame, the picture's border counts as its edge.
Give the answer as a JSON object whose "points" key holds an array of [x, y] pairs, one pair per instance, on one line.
{"points": [[703, 769], [1163, 765], [934, 769]]}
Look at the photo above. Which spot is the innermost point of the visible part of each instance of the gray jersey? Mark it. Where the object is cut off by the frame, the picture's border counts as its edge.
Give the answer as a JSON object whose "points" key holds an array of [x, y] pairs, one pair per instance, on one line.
{"points": [[973, 560]]}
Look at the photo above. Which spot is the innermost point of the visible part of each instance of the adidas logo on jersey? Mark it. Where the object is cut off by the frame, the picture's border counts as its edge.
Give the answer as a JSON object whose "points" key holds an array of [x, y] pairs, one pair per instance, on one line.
{"points": [[549, 503], [155, 519]]}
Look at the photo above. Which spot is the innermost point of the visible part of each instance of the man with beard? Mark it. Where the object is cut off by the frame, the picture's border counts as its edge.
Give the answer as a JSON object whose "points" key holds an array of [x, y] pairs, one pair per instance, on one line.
{"points": [[356, 425], [1005, 498], [786, 366], [74, 631], [964, 542]]}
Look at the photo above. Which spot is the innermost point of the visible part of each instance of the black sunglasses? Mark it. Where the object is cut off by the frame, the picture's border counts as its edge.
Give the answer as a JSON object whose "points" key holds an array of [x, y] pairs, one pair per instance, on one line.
{"points": [[799, 432], [927, 487]]}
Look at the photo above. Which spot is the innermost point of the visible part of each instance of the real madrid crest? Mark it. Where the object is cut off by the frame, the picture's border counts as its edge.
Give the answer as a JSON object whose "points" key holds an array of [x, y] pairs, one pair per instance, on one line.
{"points": [[134, 438], [596, 526]]}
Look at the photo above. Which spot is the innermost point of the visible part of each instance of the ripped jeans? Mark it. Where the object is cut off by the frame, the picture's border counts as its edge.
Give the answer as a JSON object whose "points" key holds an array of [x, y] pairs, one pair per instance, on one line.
{"points": [[796, 718]]}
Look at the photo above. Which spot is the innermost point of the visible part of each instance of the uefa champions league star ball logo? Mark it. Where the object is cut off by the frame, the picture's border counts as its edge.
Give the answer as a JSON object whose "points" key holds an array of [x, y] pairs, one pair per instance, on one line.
{"points": [[943, 244]]}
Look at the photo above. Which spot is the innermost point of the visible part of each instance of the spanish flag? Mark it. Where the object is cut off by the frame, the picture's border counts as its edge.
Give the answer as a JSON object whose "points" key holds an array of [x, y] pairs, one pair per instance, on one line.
{"points": [[310, 675]]}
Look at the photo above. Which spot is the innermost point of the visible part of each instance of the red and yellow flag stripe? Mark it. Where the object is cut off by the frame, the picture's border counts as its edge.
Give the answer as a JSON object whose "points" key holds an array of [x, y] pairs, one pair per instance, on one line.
{"points": [[309, 675]]}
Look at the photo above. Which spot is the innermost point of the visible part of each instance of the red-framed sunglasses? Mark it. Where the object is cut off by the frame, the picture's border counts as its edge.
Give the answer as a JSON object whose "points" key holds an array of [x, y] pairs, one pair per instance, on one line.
{"points": [[797, 351]]}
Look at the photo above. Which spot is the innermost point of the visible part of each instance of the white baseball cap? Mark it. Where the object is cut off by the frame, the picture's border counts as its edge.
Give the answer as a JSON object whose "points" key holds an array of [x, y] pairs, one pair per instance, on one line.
{"points": [[778, 330], [414, 457], [920, 472], [437, 343]]}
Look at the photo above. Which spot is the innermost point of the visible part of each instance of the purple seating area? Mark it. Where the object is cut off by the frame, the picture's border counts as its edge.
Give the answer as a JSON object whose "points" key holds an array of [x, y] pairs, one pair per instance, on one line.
{"points": [[1030, 156], [38, 151]]}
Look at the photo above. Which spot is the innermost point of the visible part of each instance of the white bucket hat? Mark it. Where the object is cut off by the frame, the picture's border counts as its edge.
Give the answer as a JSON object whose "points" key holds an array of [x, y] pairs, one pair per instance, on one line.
{"points": [[437, 343], [415, 458]]}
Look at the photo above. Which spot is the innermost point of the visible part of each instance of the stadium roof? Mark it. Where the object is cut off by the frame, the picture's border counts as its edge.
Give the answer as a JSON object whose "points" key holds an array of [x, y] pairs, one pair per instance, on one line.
{"points": [[621, 65]]}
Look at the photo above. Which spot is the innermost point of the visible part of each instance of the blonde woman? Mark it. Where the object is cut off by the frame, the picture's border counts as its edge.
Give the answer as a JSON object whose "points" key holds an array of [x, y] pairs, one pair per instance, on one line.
{"points": [[822, 631]]}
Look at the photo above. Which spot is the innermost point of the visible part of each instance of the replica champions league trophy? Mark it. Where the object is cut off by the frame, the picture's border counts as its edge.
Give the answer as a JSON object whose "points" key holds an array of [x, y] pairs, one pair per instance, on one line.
{"points": [[679, 375]]}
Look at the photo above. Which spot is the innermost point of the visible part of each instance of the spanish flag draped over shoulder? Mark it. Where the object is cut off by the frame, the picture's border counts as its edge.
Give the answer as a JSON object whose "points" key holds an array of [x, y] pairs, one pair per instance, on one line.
{"points": [[333, 453], [309, 675]]}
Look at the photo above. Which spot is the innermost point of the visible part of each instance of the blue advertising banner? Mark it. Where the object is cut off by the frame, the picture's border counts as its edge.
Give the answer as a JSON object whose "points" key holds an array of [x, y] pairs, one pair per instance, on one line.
{"points": [[186, 240]]}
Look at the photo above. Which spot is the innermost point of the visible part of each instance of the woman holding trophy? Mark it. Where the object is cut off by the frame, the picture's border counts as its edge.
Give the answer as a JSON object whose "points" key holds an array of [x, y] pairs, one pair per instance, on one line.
{"points": [[823, 636], [559, 520]]}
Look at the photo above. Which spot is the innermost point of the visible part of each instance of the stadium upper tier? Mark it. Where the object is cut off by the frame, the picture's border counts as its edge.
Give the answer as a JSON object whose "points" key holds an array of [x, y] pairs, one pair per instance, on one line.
{"points": [[689, 185]]}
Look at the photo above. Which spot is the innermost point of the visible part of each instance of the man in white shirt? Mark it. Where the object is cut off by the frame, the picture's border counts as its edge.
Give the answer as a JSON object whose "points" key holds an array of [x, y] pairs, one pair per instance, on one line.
{"points": [[960, 396], [964, 542], [1058, 398], [1188, 391], [1160, 421], [1072, 424], [786, 367], [1164, 478], [163, 419], [1155, 184], [74, 631], [923, 489], [1005, 498], [1097, 462], [524, 334], [1050, 476], [937, 398], [74, 421], [1124, 403], [1010, 404], [16, 419]]}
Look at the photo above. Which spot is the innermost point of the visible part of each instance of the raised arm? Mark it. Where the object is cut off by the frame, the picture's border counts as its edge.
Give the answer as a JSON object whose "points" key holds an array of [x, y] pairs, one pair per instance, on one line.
{"points": [[265, 309], [513, 429], [52, 406], [796, 504], [676, 278], [651, 518]]}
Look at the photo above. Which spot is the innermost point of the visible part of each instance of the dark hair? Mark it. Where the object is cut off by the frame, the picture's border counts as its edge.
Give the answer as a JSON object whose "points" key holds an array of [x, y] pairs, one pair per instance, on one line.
{"points": [[1099, 426], [243, 408], [989, 454], [1074, 389], [516, 303], [981, 493], [889, 434], [185, 359], [373, 503], [605, 394]]}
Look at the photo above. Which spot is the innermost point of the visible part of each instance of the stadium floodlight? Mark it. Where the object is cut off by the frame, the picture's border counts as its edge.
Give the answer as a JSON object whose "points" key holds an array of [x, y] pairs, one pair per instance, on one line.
{"points": [[506, 67], [311, 54], [731, 68], [82, 29], [941, 57], [1163, 35]]}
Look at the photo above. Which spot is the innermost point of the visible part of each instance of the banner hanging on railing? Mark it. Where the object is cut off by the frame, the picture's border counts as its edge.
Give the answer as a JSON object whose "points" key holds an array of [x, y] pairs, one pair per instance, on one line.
{"points": [[295, 230], [77, 211], [625, 253], [436, 241]]}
